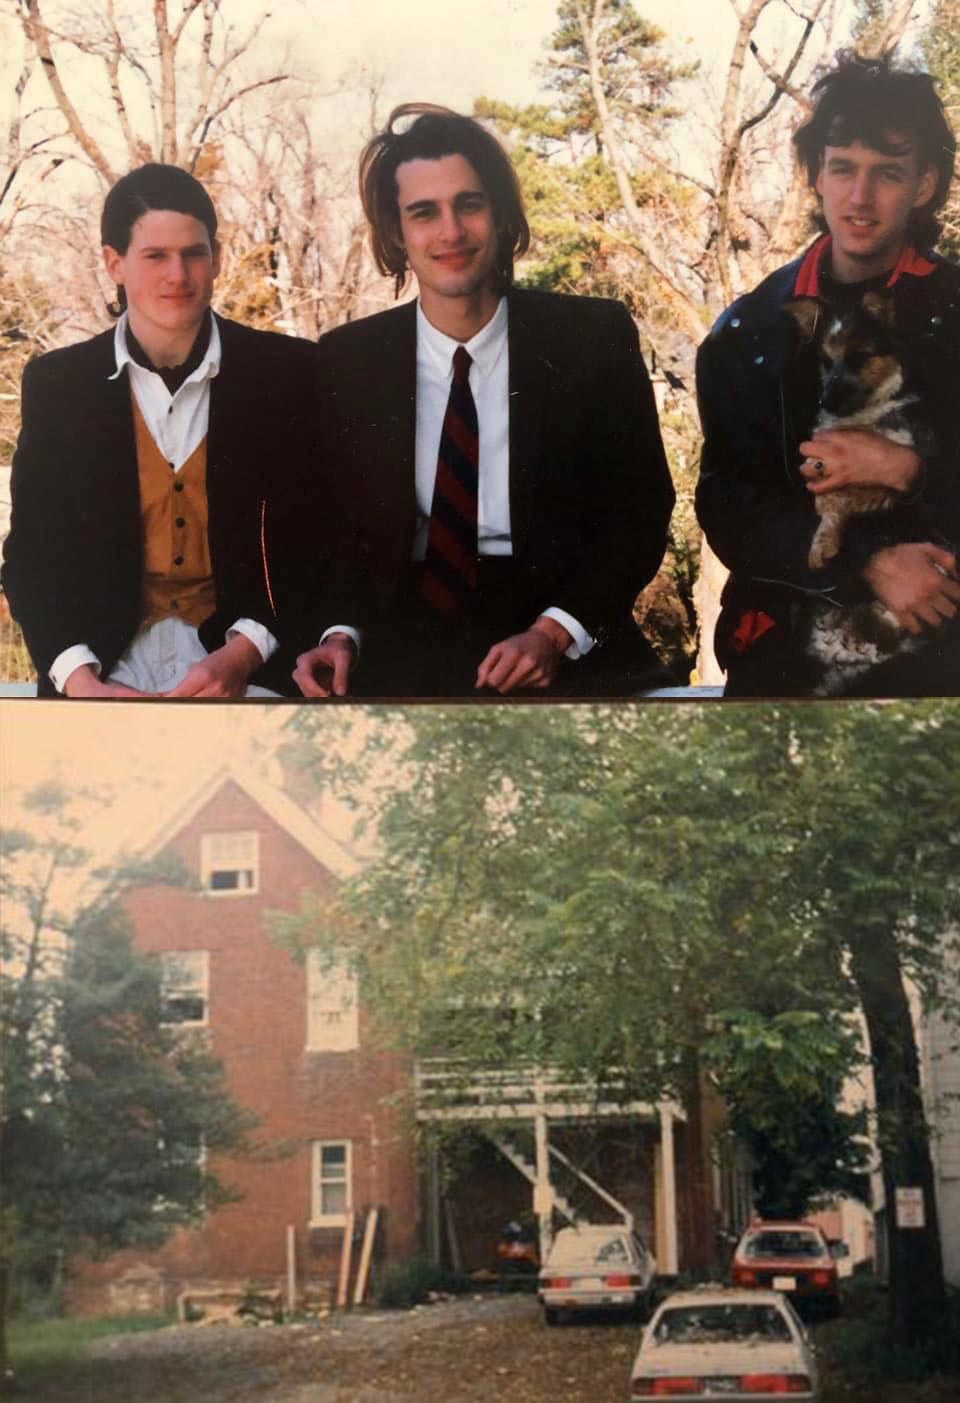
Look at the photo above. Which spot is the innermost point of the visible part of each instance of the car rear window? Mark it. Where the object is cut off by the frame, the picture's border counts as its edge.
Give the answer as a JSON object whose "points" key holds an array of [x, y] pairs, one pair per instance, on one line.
{"points": [[712, 1323], [574, 1248], [784, 1243]]}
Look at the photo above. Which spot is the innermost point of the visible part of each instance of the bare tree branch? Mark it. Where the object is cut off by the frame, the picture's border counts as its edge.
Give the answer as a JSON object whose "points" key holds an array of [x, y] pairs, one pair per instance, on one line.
{"points": [[166, 46], [227, 103], [733, 131], [887, 36], [112, 62], [589, 27], [36, 31]]}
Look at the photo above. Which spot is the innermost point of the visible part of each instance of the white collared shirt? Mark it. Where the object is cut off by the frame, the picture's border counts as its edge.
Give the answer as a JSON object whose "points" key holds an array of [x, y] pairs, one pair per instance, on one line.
{"points": [[177, 423], [489, 378]]}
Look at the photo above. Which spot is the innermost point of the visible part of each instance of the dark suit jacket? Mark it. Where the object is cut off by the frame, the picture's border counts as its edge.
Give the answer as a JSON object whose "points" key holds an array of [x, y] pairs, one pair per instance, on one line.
{"points": [[74, 560], [590, 492]]}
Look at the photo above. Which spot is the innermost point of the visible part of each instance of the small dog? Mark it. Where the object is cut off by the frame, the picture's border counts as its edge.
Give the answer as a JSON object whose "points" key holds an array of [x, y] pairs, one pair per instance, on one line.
{"points": [[862, 387]]}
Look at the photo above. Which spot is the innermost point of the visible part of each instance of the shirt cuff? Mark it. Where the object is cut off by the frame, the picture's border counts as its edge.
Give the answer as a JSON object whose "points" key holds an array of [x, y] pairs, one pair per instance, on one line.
{"points": [[353, 634], [261, 638], [582, 642], [79, 655]]}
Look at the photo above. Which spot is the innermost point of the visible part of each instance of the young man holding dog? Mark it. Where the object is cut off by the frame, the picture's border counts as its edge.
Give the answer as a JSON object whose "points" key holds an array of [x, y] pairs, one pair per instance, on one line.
{"points": [[503, 485], [879, 153]]}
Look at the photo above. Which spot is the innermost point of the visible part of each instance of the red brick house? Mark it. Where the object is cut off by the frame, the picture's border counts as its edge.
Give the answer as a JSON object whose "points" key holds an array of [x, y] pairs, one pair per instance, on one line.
{"points": [[293, 1041], [290, 1036]]}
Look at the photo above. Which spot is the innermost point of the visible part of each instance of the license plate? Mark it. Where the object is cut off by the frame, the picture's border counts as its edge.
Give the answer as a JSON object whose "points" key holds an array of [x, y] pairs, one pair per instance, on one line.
{"points": [[721, 1385], [590, 1283], [784, 1283]]}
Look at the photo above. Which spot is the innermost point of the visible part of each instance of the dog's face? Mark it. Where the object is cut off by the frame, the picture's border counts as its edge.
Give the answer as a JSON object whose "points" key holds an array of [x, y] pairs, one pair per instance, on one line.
{"points": [[859, 362]]}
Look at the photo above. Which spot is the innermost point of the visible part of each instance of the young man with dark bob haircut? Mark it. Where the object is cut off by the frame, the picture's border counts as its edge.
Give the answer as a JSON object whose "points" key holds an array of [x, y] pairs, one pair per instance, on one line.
{"points": [[504, 494], [879, 152], [139, 555]]}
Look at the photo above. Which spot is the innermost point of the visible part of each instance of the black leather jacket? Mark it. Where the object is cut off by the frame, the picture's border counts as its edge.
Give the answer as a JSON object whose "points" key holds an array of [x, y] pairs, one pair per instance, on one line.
{"points": [[758, 400]]}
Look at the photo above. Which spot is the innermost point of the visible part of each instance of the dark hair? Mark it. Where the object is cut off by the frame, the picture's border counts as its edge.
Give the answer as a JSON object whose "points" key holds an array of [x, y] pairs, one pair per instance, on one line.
{"points": [[890, 110], [153, 186], [437, 132]]}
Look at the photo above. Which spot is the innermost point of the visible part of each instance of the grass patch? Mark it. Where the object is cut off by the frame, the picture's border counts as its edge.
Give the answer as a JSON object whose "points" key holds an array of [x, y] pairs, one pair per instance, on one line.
{"points": [[38, 1347], [857, 1351]]}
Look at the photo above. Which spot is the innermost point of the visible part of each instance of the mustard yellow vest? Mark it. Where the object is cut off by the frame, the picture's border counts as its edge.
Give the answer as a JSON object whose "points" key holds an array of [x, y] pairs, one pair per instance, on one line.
{"points": [[177, 574]]}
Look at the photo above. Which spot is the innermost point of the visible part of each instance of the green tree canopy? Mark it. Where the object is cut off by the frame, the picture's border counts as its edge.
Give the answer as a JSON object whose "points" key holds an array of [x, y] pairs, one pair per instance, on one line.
{"points": [[601, 888], [109, 1117]]}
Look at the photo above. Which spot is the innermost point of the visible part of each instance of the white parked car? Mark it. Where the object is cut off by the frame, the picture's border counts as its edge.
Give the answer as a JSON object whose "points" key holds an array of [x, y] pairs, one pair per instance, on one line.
{"points": [[723, 1343], [594, 1267]]}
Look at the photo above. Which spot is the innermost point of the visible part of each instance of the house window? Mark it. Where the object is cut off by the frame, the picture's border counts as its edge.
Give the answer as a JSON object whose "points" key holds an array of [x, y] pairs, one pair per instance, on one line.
{"points": [[182, 1166], [230, 863], [332, 1021], [185, 986], [332, 1196]]}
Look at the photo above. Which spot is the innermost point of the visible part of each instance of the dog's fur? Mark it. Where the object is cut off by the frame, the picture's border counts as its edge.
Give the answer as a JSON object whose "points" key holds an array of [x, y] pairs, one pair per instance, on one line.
{"points": [[862, 387]]}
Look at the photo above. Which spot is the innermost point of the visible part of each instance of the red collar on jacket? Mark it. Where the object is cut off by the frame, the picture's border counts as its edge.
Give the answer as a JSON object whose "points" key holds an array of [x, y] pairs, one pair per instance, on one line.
{"points": [[808, 278]]}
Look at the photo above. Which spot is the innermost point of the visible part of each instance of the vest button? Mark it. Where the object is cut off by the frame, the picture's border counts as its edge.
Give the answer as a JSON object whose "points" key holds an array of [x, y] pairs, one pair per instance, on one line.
{"points": [[180, 521], [178, 560], [174, 604], [178, 487]]}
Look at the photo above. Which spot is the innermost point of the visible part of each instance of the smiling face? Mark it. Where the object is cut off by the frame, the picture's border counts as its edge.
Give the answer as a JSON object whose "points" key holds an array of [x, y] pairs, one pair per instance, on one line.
{"points": [[868, 198], [167, 273], [448, 232]]}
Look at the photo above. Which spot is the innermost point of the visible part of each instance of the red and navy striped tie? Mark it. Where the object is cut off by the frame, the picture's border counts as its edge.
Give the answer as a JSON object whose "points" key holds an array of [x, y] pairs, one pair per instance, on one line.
{"points": [[450, 564]]}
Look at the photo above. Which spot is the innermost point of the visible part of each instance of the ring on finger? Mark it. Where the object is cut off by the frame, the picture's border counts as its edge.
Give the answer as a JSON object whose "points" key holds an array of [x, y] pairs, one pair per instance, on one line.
{"points": [[819, 467]]}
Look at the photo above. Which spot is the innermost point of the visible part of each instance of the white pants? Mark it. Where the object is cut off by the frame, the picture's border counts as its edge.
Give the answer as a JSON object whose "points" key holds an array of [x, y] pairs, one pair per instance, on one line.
{"points": [[160, 655]]}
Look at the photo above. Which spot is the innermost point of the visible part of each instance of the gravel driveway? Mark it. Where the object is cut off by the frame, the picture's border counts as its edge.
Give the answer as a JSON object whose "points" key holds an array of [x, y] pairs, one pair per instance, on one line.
{"points": [[490, 1347]]}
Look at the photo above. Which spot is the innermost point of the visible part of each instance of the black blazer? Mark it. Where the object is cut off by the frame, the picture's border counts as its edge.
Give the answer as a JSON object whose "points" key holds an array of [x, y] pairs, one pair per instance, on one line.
{"points": [[590, 491], [73, 566]]}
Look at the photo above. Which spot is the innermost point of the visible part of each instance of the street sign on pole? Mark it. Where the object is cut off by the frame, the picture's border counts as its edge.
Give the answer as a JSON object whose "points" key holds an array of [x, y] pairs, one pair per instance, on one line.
{"points": [[909, 1206]]}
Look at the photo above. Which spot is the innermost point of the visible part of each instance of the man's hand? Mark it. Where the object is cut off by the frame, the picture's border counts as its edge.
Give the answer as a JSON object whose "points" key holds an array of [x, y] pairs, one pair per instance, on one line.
{"points": [[222, 674], [917, 581], [528, 659], [84, 682], [324, 671], [857, 458]]}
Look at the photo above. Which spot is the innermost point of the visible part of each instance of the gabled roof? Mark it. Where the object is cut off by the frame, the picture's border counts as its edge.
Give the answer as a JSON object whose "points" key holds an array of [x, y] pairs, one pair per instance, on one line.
{"points": [[318, 842]]}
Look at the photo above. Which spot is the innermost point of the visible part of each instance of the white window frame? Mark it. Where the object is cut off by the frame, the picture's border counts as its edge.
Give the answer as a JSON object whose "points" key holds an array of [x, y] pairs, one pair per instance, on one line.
{"points": [[201, 985], [208, 864], [333, 1017], [319, 1219]]}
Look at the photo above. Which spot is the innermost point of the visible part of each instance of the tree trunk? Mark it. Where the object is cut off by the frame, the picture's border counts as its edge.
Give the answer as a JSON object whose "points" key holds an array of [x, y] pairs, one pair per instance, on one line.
{"points": [[918, 1303], [700, 1218]]}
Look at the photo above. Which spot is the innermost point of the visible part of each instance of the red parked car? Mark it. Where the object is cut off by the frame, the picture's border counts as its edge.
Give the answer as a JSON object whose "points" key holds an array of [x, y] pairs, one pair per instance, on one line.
{"points": [[794, 1258]]}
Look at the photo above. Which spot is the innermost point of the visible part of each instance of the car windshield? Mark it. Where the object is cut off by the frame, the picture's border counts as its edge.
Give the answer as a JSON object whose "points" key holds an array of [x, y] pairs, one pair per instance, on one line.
{"points": [[784, 1243], [710, 1324], [576, 1247]]}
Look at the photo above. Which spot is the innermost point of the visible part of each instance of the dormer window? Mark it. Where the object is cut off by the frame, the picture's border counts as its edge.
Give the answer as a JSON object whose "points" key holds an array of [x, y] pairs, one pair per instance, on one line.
{"points": [[230, 863]]}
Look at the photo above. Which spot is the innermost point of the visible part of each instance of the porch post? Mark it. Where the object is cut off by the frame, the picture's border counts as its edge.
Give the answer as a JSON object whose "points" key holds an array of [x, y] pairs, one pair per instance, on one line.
{"points": [[669, 1266], [433, 1200], [542, 1190]]}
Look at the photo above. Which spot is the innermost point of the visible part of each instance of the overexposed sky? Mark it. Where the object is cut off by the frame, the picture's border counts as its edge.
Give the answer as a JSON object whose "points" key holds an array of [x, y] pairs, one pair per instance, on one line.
{"points": [[429, 49], [153, 755]]}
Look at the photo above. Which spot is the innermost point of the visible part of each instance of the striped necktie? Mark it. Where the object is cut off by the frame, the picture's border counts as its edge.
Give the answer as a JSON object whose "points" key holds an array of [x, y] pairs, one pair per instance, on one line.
{"points": [[450, 564]]}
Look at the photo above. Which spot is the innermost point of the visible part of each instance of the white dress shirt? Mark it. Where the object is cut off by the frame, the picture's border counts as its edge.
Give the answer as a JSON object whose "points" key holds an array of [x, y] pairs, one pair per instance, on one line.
{"points": [[178, 425], [489, 378]]}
